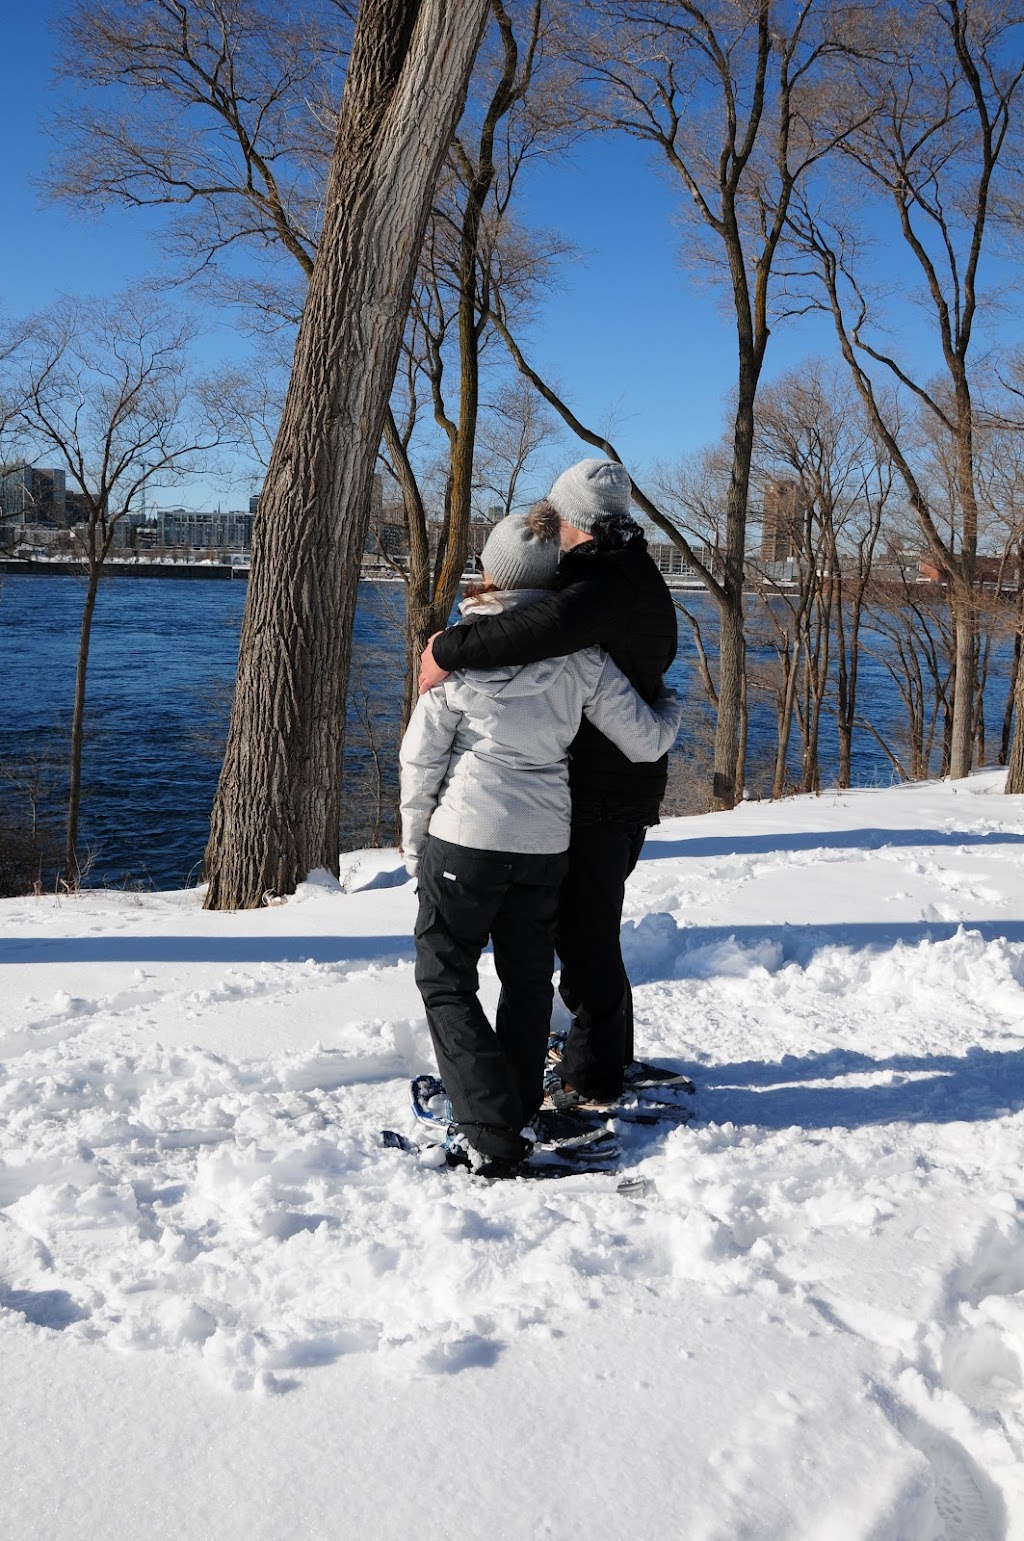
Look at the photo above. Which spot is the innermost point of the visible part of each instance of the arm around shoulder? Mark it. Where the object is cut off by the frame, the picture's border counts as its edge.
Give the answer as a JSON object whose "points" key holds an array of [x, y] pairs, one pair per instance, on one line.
{"points": [[561, 623], [642, 732]]}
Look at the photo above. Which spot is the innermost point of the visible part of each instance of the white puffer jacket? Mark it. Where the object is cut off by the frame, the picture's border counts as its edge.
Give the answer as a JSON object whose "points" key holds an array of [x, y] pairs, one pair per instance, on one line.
{"points": [[484, 758]]}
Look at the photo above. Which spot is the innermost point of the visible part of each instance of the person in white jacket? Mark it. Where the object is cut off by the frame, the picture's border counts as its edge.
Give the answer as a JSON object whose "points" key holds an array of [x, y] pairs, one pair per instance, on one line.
{"points": [[485, 830]]}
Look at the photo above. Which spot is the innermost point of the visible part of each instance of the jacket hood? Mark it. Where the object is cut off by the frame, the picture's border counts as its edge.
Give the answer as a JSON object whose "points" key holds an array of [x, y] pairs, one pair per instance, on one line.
{"points": [[512, 679]]}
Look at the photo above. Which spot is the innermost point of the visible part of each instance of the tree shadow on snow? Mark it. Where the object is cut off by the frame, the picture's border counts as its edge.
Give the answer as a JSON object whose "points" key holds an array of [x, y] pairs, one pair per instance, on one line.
{"points": [[821, 840], [799, 943], [208, 949], [807, 1092], [934, 1088]]}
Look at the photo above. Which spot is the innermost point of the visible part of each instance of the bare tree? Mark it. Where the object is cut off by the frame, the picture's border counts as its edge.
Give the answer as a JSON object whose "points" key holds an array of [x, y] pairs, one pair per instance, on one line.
{"points": [[516, 430], [1001, 487], [276, 812], [734, 97], [512, 115], [1002, 474], [221, 112], [792, 607], [691, 499], [944, 82], [810, 428], [14, 336], [909, 636], [259, 87], [1015, 757], [108, 393], [700, 541], [30, 846]]}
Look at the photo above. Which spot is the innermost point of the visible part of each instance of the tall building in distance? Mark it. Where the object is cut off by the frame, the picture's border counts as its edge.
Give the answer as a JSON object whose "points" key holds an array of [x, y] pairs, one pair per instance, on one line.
{"points": [[179, 527], [783, 511], [33, 492]]}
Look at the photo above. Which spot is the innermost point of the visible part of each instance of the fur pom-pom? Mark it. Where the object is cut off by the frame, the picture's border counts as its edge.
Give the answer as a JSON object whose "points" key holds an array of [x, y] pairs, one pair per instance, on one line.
{"points": [[543, 521]]}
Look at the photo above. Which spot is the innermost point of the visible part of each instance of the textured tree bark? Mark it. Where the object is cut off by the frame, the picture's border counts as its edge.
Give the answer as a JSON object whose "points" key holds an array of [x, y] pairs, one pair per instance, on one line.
{"points": [[276, 812], [1015, 765], [728, 730], [730, 742], [963, 600], [1011, 716], [965, 704]]}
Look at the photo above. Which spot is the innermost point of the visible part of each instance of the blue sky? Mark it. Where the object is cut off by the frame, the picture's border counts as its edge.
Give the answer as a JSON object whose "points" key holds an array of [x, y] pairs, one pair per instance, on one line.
{"points": [[634, 341], [632, 333]]}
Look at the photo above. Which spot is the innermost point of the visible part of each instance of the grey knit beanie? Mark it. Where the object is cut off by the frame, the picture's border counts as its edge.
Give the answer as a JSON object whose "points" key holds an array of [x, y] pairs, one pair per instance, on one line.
{"points": [[588, 490], [514, 557]]}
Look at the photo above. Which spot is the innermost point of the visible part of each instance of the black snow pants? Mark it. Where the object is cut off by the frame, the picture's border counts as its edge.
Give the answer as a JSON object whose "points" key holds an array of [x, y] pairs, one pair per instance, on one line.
{"points": [[494, 1076], [593, 982]]}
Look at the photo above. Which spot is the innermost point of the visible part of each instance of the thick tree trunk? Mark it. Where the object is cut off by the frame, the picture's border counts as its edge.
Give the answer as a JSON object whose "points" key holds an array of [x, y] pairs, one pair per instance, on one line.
{"points": [[961, 736], [729, 728], [1011, 696], [1015, 763], [730, 747], [276, 812], [850, 669], [741, 758], [422, 621], [418, 629], [845, 688], [961, 594]]}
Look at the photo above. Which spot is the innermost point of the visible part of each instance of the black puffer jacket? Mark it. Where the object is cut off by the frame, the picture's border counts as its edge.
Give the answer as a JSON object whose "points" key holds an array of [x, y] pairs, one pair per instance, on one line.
{"points": [[609, 592]]}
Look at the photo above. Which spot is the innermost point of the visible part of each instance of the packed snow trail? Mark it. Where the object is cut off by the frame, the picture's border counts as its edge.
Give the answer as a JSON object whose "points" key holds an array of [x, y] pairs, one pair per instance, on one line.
{"points": [[810, 1324]]}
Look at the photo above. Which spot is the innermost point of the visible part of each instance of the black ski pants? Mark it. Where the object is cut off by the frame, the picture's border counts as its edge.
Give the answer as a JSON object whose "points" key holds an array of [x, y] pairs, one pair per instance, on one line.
{"points": [[593, 982], [494, 1076]]}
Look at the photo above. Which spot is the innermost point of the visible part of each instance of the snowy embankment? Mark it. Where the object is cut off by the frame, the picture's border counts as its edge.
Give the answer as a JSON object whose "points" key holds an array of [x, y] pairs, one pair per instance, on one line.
{"points": [[810, 1325]]}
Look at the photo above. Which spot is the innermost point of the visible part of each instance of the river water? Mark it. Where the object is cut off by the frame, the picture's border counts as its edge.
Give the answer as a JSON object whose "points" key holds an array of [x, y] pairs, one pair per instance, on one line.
{"points": [[161, 671], [160, 676]]}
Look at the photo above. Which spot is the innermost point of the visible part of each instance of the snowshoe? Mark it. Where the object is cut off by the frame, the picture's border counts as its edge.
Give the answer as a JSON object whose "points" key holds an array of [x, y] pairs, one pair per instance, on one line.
{"points": [[638, 1076], [545, 1162], [430, 1107], [432, 1110]]}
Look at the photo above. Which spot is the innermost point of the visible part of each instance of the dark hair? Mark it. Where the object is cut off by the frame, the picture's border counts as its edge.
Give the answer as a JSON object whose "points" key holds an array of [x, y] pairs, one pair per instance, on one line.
{"points": [[613, 531]]}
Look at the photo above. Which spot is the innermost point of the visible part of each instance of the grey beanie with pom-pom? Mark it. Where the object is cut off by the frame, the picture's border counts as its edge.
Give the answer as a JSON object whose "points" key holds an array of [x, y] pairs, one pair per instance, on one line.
{"points": [[516, 556]]}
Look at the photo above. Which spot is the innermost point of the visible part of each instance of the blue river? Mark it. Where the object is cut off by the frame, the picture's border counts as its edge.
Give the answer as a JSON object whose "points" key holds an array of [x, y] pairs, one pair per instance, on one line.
{"points": [[162, 665], [161, 671]]}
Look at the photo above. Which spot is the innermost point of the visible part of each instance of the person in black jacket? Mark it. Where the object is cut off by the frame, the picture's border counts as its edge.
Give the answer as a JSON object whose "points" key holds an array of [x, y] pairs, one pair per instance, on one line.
{"points": [[609, 592]]}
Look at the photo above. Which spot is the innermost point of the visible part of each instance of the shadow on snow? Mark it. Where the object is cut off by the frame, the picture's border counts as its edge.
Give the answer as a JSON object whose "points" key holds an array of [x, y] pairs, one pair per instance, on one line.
{"points": [[980, 1085], [209, 949], [821, 840]]}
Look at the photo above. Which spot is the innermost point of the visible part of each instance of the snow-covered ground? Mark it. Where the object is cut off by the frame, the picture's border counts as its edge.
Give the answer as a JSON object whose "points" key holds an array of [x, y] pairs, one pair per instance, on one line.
{"points": [[226, 1311]]}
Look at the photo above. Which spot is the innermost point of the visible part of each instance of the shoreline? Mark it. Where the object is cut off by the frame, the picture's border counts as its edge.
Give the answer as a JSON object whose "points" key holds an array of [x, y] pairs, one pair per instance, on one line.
{"points": [[58, 568], [217, 571], [190, 571]]}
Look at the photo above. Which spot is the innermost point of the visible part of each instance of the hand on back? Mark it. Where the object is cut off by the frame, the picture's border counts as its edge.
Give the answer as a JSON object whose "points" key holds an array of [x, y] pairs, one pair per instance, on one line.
{"points": [[430, 673]]}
